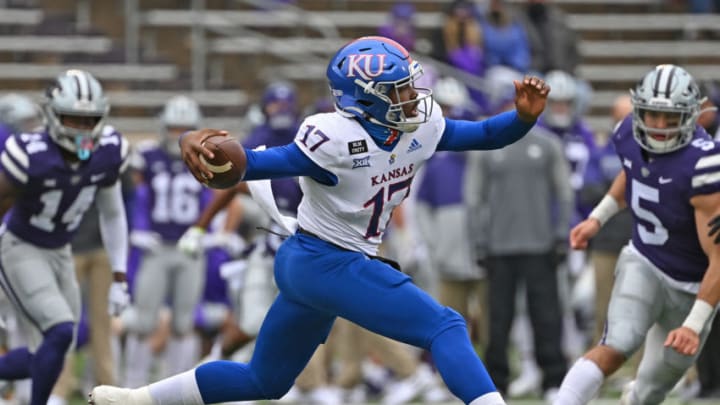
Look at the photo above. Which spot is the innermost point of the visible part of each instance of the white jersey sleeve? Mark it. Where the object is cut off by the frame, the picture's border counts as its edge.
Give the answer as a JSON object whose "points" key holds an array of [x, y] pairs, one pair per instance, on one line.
{"points": [[371, 181]]}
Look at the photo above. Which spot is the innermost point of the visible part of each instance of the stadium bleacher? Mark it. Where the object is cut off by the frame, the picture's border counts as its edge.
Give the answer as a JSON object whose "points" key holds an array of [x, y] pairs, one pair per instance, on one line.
{"points": [[246, 43]]}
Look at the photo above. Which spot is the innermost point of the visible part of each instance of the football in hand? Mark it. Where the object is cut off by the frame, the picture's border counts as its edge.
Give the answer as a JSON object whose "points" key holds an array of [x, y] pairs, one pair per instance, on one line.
{"points": [[228, 164]]}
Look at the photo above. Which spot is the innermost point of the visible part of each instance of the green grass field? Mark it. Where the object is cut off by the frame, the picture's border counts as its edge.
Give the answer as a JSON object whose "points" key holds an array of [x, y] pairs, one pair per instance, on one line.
{"points": [[532, 402], [608, 401]]}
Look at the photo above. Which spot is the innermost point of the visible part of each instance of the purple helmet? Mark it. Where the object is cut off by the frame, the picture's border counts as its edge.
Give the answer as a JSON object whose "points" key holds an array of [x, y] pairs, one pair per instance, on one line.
{"points": [[280, 105]]}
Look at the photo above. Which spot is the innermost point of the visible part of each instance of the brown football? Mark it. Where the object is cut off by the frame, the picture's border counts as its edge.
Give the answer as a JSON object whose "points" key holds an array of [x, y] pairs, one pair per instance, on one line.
{"points": [[228, 165]]}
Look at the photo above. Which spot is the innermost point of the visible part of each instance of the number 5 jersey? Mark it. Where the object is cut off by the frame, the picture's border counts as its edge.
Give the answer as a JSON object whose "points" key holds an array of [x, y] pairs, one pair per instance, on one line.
{"points": [[658, 192]]}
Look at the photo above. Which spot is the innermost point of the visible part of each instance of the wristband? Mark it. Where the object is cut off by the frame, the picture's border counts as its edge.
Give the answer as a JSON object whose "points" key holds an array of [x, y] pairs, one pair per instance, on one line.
{"points": [[606, 208], [698, 316]]}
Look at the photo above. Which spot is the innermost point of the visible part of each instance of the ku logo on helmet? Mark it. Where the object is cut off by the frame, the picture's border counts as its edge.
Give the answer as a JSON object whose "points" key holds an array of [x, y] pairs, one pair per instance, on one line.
{"points": [[362, 64]]}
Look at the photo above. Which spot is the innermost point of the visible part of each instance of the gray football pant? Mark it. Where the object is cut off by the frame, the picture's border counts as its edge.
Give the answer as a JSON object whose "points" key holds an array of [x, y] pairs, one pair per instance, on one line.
{"points": [[644, 306], [41, 285]]}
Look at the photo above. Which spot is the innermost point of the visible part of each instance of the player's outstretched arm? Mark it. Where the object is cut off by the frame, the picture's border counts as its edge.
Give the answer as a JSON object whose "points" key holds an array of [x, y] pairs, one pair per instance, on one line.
{"points": [[613, 202], [502, 129], [686, 339]]}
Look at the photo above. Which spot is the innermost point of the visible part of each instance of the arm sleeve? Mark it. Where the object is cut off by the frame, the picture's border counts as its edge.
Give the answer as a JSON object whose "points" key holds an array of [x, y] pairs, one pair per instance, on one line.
{"points": [[284, 161], [493, 133], [113, 225]]}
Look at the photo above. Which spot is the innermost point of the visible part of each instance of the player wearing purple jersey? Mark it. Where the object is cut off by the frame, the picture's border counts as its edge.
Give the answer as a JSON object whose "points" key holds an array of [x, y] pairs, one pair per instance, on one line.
{"points": [[167, 201], [51, 178], [667, 279], [561, 118]]}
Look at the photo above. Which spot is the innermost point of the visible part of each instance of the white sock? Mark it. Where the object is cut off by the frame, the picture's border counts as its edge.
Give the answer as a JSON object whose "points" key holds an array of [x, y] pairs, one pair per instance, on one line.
{"points": [[181, 354], [56, 400], [581, 384], [181, 389], [138, 360], [491, 398]]}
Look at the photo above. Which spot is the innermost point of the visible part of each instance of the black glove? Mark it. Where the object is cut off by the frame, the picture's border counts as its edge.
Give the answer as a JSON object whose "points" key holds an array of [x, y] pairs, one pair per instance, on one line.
{"points": [[714, 225]]}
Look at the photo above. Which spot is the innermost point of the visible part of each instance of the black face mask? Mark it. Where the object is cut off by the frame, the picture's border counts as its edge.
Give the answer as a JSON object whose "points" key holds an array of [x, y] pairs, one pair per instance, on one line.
{"points": [[537, 11]]}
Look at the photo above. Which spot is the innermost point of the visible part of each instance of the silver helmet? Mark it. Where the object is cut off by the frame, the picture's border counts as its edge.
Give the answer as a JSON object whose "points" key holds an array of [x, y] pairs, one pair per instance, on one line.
{"points": [[671, 90], [451, 92], [76, 94], [561, 108], [20, 113], [180, 114]]}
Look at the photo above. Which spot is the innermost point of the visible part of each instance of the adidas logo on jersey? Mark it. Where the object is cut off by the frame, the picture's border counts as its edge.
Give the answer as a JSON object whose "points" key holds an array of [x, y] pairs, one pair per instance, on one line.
{"points": [[414, 145]]}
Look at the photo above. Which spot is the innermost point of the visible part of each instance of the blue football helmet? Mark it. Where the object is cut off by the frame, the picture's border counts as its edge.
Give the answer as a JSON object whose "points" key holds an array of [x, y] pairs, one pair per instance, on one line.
{"points": [[364, 73]]}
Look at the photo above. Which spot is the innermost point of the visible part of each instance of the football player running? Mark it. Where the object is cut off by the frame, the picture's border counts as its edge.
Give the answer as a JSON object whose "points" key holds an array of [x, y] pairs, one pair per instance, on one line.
{"points": [[51, 178], [355, 165], [667, 279]]}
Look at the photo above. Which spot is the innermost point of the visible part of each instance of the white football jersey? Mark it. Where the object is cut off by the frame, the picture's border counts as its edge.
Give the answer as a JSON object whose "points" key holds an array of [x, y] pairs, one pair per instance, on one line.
{"points": [[371, 182]]}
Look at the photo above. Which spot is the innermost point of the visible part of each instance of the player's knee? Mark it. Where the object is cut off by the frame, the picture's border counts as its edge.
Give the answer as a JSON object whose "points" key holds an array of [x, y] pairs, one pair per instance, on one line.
{"points": [[277, 389], [451, 325], [182, 325], [623, 340], [143, 325], [60, 335], [451, 318]]}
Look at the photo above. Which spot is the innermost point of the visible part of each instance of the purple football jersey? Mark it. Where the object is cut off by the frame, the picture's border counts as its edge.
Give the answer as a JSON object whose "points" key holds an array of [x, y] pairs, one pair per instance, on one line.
{"points": [[54, 194], [264, 135], [442, 183], [658, 192], [5, 132], [582, 153], [287, 191], [170, 200]]}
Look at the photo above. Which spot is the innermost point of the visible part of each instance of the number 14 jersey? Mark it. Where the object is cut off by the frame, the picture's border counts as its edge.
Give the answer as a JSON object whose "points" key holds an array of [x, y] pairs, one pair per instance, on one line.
{"points": [[53, 194]]}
